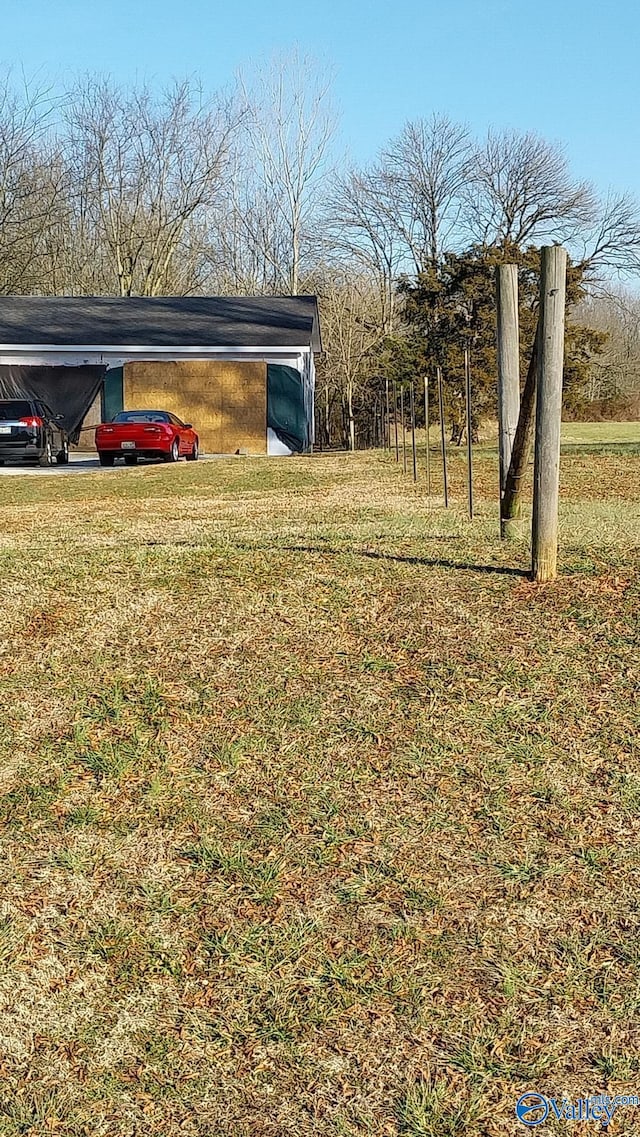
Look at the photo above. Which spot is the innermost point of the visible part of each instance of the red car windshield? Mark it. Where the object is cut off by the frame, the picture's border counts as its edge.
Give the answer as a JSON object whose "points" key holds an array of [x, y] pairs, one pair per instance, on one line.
{"points": [[141, 416]]}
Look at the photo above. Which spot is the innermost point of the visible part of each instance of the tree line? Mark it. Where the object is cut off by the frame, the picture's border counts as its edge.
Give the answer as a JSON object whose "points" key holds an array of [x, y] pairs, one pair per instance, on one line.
{"points": [[108, 189]]}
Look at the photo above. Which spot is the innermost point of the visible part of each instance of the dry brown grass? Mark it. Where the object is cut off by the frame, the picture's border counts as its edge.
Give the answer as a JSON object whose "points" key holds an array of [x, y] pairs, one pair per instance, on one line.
{"points": [[318, 817]]}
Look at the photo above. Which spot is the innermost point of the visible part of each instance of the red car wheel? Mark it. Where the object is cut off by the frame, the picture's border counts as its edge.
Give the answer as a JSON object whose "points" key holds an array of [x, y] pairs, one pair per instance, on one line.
{"points": [[174, 452]]}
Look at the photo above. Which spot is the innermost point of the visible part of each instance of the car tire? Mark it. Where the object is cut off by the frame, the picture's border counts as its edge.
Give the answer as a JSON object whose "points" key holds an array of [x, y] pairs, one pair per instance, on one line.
{"points": [[131, 459], [62, 457], [193, 456], [106, 459], [46, 458], [174, 452]]}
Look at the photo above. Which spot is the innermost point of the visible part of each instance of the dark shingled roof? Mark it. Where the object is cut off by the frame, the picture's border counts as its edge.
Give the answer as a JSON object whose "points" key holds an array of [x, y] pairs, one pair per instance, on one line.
{"points": [[166, 321]]}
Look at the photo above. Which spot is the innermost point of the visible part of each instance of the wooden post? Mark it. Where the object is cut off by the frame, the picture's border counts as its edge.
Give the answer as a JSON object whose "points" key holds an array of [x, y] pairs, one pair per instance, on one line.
{"points": [[380, 414], [404, 429], [511, 504], [387, 433], [414, 452], [546, 473], [426, 424], [508, 368], [467, 383], [443, 442], [395, 418]]}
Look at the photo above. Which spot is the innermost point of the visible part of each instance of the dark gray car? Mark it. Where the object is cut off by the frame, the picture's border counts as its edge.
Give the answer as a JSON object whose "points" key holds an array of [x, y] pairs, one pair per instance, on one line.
{"points": [[30, 432]]}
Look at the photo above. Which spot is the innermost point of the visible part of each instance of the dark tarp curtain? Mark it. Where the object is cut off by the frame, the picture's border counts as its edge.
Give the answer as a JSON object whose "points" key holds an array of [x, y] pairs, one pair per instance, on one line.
{"points": [[68, 391], [286, 414]]}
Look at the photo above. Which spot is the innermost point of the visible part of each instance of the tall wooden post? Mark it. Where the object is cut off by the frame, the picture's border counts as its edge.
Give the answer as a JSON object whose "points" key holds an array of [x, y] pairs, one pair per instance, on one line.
{"points": [[467, 383], [546, 471], [395, 418], [387, 433], [426, 424], [443, 444], [508, 369], [414, 453]]}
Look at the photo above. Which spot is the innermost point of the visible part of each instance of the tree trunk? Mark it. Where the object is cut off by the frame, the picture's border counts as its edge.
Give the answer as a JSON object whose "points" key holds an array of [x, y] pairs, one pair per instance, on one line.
{"points": [[511, 504], [295, 251]]}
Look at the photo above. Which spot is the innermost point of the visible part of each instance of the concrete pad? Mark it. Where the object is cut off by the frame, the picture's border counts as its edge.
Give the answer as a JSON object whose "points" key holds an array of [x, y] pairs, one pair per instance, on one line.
{"points": [[82, 464]]}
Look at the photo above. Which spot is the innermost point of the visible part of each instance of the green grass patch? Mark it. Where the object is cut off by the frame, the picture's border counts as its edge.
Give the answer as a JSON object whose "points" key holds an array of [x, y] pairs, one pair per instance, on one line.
{"points": [[319, 818]]}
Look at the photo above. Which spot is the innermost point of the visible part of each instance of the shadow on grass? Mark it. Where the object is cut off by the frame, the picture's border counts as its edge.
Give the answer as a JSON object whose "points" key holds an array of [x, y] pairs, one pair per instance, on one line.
{"points": [[326, 550], [602, 449], [428, 562]]}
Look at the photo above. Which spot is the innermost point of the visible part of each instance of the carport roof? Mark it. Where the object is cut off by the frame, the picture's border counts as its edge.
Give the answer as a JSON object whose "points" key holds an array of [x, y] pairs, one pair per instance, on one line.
{"points": [[160, 322]]}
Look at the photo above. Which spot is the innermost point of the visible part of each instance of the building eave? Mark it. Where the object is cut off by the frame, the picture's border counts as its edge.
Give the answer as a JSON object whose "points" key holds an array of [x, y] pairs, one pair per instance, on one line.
{"points": [[149, 349]]}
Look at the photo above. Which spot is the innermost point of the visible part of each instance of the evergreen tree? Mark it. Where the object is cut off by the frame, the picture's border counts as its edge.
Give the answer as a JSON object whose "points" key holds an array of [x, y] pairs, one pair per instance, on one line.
{"points": [[451, 305]]}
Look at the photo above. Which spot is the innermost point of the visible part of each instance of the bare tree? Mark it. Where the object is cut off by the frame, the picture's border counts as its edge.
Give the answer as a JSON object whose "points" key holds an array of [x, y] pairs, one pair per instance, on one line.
{"points": [[612, 240], [146, 170], [401, 214], [248, 246], [32, 186], [615, 372], [519, 190], [289, 132], [361, 231], [352, 330], [422, 175]]}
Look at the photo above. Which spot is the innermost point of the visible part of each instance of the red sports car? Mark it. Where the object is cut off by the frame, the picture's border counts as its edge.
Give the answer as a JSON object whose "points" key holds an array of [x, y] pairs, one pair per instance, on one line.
{"points": [[145, 434]]}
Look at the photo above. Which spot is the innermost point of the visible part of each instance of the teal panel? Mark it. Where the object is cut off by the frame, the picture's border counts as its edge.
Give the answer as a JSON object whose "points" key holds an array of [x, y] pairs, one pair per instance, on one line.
{"points": [[286, 412], [112, 394]]}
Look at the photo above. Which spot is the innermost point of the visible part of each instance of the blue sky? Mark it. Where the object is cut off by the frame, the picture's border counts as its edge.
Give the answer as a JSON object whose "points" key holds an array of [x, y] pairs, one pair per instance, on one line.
{"points": [[567, 69]]}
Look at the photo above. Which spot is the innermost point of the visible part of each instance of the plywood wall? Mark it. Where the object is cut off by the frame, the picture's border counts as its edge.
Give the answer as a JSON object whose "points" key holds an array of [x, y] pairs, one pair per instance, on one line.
{"points": [[226, 401], [91, 420]]}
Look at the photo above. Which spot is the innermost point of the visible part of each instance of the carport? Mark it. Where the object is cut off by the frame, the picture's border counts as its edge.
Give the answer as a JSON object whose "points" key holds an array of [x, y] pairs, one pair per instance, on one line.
{"points": [[240, 368]]}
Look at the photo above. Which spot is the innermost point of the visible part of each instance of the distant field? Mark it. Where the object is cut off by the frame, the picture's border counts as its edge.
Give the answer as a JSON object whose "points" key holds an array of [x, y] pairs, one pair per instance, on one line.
{"points": [[599, 432], [319, 819], [583, 434], [602, 437]]}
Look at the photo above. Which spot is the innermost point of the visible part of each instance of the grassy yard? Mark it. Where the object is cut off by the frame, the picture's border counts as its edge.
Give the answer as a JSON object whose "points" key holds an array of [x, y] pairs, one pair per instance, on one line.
{"points": [[319, 818], [607, 438], [599, 433]]}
